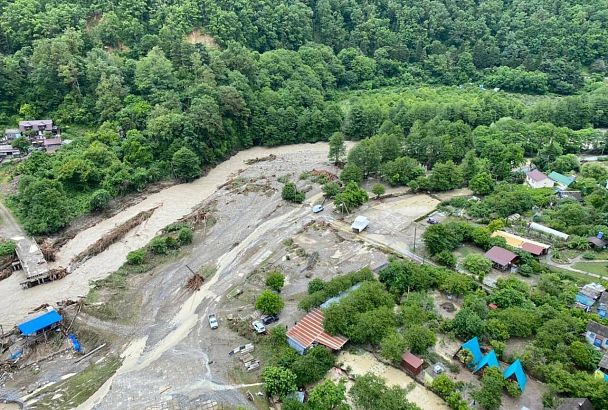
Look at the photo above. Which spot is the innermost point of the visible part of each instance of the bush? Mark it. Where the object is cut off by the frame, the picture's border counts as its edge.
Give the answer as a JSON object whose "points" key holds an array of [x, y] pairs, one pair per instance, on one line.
{"points": [[351, 173], [290, 193], [269, 303], [158, 245], [333, 288], [275, 281], [315, 285], [513, 389], [99, 200], [7, 248], [171, 242], [186, 165], [184, 236], [446, 258], [331, 189], [350, 198], [136, 257], [378, 189], [589, 255]]}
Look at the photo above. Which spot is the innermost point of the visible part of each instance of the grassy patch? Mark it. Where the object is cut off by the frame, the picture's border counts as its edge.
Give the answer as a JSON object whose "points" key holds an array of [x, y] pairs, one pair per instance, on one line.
{"points": [[71, 392], [579, 278], [597, 268]]}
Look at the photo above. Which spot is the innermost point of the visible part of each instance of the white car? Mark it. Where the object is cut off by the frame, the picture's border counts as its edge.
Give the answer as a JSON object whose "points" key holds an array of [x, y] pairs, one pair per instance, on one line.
{"points": [[213, 324], [258, 326], [317, 208]]}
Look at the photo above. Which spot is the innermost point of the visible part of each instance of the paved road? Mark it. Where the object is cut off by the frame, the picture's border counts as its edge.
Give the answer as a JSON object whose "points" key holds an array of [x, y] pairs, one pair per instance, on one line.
{"points": [[9, 227]]}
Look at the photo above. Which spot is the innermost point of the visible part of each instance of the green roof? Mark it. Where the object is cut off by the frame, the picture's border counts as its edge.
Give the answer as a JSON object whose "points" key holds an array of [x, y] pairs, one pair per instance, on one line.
{"points": [[561, 179]]}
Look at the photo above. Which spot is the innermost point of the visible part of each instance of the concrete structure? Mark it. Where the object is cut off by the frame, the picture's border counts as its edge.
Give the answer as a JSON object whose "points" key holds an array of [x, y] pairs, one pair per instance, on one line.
{"points": [[528, 245], [501, 258], [411, 363], [562, 181], [360, 224], [309, 332], [32, 262], [537, 179], [545, 229], [597, 335]]}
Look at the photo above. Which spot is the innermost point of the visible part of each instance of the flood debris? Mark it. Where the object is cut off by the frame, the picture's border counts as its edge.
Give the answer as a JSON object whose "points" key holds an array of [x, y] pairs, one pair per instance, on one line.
{"points": [[114, 235], [194, 282], [255, 160]]}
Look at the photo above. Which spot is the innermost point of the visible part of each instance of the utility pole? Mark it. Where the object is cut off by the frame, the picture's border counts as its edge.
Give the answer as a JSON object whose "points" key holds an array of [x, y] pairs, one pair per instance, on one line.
{"points": [[415, 226], [194, 273]]}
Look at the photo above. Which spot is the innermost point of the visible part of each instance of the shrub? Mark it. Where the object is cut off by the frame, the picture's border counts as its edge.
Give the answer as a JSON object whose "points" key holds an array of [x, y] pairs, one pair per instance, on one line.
{"points": [[378, 189], [290, 193], [136, 257], [513, 389], [171, 242], [275, 281], [315, 285], [589, 255], [175, 226], [446, 258], [7, 248], [158, 245], [184, 236], [99, 200], [331, 189], [269, 303]]}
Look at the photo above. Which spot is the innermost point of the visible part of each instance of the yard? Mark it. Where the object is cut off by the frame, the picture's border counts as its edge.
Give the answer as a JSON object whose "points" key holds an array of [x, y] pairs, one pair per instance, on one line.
{"points": [[597, 268]]}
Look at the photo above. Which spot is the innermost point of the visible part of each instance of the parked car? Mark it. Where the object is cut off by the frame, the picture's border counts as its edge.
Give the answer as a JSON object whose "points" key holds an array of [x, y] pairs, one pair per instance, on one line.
{"points": [[213, 324], [258, 326], [268, 319], [432, 221], [317, 208]]}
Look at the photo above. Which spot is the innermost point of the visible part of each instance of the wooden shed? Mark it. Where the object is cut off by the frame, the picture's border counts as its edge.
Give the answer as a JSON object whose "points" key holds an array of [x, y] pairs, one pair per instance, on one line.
{"points": [[411, 364]]}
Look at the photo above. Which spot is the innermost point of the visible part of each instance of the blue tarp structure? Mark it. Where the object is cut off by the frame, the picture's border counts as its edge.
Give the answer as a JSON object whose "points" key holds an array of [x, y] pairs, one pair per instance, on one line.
{"points": [[516, 370], [489, 360], [582, 299], [31, 327], [473, 346], [75, 342]]}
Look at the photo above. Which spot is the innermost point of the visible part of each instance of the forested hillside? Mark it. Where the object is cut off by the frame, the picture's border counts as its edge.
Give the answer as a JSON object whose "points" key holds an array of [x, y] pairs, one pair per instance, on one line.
{"points": [[163, 88]]}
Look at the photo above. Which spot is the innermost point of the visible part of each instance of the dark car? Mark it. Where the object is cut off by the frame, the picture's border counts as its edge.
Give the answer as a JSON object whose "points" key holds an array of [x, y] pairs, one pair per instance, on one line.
{"points": [[432, 221], [268, 319]]}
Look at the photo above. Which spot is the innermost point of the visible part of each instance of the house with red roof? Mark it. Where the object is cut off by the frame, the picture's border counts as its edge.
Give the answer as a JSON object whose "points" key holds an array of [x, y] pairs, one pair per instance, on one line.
{"points": [[537, 179], [309, 332]]}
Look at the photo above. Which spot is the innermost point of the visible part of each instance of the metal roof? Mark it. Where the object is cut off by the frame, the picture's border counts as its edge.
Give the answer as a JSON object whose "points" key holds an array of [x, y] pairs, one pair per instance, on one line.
{"points": [[310, 330], [597, 328], [472, 346], [412, 360], [500, 255], [31, 327], [489, 360], [517, 370], [536, 175], [519, 242], [561, 179]]}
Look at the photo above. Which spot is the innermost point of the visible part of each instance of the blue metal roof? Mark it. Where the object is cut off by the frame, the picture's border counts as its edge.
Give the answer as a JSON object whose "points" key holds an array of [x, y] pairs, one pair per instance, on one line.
{"points": [[489, 360], [473, 346], [517, 370], [31, 327]]}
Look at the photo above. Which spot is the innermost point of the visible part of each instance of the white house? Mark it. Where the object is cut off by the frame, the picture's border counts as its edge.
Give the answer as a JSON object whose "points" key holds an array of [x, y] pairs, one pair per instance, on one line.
{"points": [[537, 179]]}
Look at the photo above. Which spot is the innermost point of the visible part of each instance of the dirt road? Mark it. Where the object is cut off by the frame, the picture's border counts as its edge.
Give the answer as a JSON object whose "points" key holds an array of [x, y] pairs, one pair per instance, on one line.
{"points": [[175, 202]]}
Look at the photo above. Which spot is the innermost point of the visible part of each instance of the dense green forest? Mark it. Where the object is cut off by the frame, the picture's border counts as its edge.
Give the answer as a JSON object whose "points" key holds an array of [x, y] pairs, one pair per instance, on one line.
{"points": [[160, 89]]}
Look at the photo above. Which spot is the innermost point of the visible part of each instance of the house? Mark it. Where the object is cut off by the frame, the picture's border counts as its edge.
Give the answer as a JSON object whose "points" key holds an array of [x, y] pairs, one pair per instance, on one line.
{"points": [[528, 245], [489, 360], [576, 195], [501, 258], [46, 321], [360, 224], [549, 231], [51, 145], [537, 179], [516, 373], [596, 242], [597, 335], [8, 151], [575, 404], [309, 332], [411, 363], [38, 127], [602, 308], [472, 345], [562, 181], [11, 134]]}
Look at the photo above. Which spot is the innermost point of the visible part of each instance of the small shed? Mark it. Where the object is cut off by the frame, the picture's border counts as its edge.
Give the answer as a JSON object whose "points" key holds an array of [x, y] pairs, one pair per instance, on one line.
{"points": [[40, 323], [360, 224], [411, 363], [596, 242], [489, 360], [501, 258], [516, 372]]}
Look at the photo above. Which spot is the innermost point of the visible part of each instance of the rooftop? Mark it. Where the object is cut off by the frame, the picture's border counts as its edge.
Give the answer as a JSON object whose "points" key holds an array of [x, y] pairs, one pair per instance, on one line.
{"points": [[597, 328], [519, 242], [32, 261], [500, 255], [561, 179], [412, 360], [536, 175], [33, 326], [309, 330], [575, 404]]}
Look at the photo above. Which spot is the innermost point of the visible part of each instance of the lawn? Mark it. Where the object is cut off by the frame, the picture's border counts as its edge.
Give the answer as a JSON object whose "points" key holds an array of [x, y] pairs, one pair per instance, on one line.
{"points": [[598, 268]]}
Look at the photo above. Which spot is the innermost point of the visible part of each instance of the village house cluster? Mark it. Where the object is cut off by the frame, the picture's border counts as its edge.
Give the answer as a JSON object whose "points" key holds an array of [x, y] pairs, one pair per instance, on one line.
{"points": [[43, 135]]}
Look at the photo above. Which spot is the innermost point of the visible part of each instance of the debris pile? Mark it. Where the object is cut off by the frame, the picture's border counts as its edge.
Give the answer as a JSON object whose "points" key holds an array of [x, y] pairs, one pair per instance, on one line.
{"points": [[114, 235], [194, 283], [252, 161], [321, 172]]}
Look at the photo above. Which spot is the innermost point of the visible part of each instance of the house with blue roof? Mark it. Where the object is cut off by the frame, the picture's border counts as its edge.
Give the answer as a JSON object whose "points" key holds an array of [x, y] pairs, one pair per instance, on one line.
{"points": [[515, 372], [46, 321], [562, 181], [473, 347], [489, 360]]}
